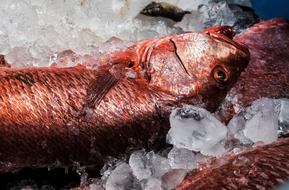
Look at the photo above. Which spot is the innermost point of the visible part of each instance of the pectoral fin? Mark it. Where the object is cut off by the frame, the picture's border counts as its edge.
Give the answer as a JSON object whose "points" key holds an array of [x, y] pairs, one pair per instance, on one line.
{"points": [[99, 87]]}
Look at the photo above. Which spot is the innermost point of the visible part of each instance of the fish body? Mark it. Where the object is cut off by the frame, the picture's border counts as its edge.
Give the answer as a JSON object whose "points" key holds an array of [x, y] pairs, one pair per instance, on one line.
{"points": [[263, 167], [267, 74], [59, 116]]}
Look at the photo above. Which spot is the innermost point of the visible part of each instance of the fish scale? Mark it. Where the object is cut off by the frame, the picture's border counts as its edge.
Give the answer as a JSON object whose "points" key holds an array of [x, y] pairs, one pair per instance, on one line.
{"points": [[47, 122], [59, 116], [262, 167]]}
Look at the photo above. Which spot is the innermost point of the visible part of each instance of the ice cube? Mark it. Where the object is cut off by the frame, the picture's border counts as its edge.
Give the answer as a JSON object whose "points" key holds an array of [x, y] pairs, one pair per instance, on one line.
{"points": [[283, 117], [195, 129], [181, 158], [140, 165], [258, 122], [262, 127], [151, 184], [219, 12], [160, 165], [236, 129], [145, 165], [121, 178], [173, 178]]}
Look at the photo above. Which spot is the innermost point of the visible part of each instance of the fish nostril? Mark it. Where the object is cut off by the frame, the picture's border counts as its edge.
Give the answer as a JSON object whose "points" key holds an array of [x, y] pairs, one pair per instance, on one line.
{"points": [[130, 64]]}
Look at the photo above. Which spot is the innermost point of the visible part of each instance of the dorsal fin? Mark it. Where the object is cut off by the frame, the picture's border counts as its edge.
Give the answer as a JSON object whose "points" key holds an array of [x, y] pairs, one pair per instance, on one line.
{"points": [[100, 86]]}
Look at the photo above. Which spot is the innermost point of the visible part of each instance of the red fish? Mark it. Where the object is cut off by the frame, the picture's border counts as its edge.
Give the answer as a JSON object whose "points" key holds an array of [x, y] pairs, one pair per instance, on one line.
{"points": [[263, 167], [66, 115], [268, 72]]}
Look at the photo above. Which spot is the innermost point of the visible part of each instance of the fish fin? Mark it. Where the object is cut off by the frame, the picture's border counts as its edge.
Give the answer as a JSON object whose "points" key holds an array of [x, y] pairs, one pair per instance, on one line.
{"points": [[227, 31], [99, 87]]}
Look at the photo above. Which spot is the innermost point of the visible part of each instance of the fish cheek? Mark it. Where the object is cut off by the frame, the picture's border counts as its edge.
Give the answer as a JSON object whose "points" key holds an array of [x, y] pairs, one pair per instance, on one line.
{"points": [[212, 94], [168, 75]]}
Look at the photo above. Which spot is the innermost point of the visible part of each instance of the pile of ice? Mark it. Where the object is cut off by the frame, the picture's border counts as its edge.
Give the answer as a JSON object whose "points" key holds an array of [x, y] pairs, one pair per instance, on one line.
{"points": [[196, 136], [33, 32], [233, 13]]}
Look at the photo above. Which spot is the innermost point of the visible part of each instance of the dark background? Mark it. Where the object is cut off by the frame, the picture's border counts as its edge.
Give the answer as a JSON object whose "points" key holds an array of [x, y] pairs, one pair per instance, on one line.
{"points": [[267, 9]]}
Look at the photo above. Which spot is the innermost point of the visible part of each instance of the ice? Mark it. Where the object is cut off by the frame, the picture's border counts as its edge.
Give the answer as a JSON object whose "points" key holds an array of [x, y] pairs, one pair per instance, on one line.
{"points": [[121, 178], [263, 121], [140, 166], [38, 30], [262, 127], [196, 136], [181, 158], [211, 14], [152, 184], [145, 165], [283, 117], [44, 28], [173, 178], [219, 12], [195, 129]]}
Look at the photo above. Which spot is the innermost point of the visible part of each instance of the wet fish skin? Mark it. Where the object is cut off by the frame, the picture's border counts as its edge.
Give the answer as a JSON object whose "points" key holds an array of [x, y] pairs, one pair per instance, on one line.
{"points": [[42, 120], [188, 53], [267, 74], [58, 116], [263, 167]]}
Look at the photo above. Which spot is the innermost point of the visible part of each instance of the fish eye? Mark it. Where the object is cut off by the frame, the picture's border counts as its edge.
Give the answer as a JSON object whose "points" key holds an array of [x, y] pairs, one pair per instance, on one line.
{"points": [[220, 74]]}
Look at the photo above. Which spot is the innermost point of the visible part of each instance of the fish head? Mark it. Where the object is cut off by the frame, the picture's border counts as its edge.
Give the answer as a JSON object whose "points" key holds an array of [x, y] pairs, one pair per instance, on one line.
{"points": [[199, 65]]}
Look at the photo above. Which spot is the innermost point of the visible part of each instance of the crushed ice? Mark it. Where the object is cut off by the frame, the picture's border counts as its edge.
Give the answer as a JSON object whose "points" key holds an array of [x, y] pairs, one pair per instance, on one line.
{"points": [[33, 32], [66, 33], [197, 135]]}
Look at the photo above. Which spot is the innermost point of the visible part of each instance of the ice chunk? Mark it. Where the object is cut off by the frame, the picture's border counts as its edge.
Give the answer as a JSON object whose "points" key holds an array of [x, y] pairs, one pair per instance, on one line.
{"points": [[211, 14], [181, 158], [283, 118], [173, 178], [216, 150], [219, 12], [195, 129], [139, 165], [66, 58], [258, 122], [151, 184], [236, 130], [19, 57], [146, 165], [121, 178], [160, 165], [262, 127]]}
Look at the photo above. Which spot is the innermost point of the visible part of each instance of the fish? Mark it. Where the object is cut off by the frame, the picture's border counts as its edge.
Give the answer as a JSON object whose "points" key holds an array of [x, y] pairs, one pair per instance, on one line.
{"points": [[164, 9], [261, 167], [61, 116], [267, 74]]}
